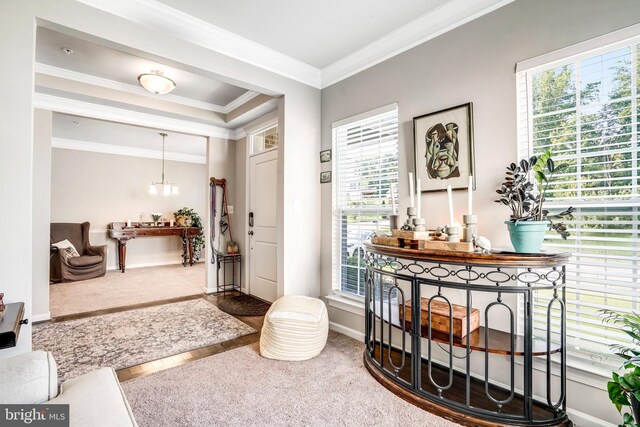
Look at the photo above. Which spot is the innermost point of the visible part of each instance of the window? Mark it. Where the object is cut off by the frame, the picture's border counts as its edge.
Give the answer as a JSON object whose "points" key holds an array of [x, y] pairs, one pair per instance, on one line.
{"points": [[264, 139], [365, 171], [585, 109]]}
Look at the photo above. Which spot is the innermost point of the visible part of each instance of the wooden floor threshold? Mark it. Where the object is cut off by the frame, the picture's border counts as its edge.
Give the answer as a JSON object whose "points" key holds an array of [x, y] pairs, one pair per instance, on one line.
{"points": [[124, 308]]}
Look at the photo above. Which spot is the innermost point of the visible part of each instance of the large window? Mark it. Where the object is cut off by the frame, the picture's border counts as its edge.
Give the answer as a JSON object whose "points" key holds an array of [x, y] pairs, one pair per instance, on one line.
{"points": [[585, 109], [365, 172]]}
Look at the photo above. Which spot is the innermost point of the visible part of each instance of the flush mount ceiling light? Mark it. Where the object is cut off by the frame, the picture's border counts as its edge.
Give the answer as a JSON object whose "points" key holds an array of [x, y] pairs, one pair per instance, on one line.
{"points": [[163, 187], [156, 83]]}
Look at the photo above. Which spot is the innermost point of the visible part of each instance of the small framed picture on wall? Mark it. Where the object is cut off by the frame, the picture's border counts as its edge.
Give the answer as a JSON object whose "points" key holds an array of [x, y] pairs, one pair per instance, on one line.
{"points": [[443, 148], [325, 156], [325, 177]]}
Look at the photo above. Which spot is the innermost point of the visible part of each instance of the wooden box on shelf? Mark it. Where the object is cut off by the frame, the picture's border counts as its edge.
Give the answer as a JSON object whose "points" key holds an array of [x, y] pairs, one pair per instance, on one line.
{"points": [[422, 240], [440, 317]]}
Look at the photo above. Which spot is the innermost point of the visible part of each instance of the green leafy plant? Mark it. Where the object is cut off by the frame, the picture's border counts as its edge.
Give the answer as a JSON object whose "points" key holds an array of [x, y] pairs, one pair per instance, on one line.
{"points": [[624, 387], [524, 189], [198, 241]]}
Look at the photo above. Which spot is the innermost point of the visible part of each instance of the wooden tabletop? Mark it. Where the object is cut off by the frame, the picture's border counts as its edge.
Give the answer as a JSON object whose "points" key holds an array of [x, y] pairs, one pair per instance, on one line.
{"points": [[494, 258]]}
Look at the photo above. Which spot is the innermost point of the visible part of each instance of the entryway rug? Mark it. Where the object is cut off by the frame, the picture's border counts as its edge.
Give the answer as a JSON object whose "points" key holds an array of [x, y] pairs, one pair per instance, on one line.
{"points": [[129, 338], [244, 305]]}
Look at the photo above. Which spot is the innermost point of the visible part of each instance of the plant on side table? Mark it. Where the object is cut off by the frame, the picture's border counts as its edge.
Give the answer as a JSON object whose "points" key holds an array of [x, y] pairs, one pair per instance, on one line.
{"points": [[187, 217], [624, 388], [523, 191]]}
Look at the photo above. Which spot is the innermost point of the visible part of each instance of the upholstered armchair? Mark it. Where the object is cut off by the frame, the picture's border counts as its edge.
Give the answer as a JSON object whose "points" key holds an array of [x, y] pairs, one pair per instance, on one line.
{"points": [[91, 262]]}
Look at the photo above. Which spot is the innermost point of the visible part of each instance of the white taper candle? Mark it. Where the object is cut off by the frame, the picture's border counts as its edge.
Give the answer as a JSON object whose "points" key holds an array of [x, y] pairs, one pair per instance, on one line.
{"points": [[393, 199], [470, 196], [412, 203], [419, 196], [450, 196]]}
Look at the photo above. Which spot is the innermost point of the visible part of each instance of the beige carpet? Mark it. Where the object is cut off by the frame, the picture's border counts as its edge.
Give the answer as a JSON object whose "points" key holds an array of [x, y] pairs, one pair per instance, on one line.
{"points": [[240, 388], [135, 286]]}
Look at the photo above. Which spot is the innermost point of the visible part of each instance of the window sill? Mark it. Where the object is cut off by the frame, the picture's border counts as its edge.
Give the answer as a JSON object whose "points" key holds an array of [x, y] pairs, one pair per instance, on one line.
{"points": [[354, 305]]}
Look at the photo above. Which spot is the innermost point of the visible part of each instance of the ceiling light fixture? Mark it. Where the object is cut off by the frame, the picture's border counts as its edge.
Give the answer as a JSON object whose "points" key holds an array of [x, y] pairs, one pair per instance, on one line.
{"points": [[156, 83], [164, 188]]}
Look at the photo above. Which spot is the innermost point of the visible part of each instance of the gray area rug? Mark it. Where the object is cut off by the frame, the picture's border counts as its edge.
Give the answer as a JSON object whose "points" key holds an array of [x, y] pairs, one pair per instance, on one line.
{"points": [[240, 388], [128, 338]]}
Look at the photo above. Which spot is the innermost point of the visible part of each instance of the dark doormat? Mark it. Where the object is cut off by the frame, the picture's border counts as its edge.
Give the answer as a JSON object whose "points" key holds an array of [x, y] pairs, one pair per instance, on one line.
{"points": [[244, 305]]}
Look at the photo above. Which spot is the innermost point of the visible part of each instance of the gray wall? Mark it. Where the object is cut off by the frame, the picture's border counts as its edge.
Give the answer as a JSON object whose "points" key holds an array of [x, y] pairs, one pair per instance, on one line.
{"points": [[102, 188], [42, 124], [474, 63]]}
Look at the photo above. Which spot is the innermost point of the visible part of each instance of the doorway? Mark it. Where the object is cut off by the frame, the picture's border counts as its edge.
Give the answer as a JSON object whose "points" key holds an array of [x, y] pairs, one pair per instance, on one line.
{"points": [[262, 217]]}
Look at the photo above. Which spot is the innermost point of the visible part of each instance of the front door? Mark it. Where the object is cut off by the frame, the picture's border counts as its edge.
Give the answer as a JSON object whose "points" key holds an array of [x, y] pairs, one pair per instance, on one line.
{"points": [[263, 226]]}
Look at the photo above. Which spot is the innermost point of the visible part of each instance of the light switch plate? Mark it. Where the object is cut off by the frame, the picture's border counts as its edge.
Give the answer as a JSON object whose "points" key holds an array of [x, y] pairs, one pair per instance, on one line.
{"points": [[230, 209]]}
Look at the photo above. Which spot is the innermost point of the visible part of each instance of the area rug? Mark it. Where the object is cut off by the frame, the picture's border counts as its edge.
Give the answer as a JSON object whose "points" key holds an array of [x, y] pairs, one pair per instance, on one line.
{"points": [[129, 338], [244, 305], [240, 388]]}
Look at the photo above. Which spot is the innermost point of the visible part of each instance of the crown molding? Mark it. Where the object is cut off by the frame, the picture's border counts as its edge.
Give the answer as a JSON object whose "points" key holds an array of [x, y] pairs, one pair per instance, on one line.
{"points": [[120, 115], [64, 73], [154, 14], [157, 15], [440, 20], [122, 150]]}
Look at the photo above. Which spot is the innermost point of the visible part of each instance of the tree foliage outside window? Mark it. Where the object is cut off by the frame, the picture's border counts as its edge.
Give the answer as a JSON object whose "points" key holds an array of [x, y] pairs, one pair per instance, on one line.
{"points": [[585, 109]]}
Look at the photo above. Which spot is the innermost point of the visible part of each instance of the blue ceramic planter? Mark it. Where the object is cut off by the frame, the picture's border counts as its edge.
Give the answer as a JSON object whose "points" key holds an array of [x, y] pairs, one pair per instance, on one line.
{"points": [[527, 236]]}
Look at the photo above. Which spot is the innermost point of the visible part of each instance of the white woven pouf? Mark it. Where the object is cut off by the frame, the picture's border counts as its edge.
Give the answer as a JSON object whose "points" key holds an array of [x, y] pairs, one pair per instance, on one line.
{"points": [[295, 328]]}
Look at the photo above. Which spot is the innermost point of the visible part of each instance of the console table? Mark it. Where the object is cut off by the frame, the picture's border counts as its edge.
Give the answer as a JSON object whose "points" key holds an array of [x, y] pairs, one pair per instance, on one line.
{"points": [[10, 324], [491, 380], [120, 232]]}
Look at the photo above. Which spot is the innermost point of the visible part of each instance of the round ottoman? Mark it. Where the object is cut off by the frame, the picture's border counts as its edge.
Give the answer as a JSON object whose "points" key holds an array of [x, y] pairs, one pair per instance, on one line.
{"points": [[295, 328]]}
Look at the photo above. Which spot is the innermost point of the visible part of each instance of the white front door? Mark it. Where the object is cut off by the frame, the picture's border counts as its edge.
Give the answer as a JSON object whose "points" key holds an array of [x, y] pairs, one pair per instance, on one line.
{"points": [[263, 226]]}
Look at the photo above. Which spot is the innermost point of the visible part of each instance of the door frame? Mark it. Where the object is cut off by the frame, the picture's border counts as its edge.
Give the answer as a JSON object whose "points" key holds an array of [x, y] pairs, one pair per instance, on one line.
{"points": [[264, 122]]}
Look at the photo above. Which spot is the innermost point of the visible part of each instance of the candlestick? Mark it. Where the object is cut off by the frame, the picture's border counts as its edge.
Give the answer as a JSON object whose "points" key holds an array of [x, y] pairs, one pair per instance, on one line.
{"points": [[128, 223], [419, 196], [411, 204], [453, 233], [450, 196], [470, 222], [393, 199], [470, 196]]}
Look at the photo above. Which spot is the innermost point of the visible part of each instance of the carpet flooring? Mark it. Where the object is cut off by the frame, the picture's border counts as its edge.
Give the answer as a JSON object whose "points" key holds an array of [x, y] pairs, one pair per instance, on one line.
{"points": [[127, 338], [135, 286], [240, 388]]}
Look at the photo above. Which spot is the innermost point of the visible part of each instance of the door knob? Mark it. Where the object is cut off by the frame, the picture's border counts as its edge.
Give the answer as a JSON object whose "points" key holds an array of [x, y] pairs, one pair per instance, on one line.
{"points": [[250, 232]]}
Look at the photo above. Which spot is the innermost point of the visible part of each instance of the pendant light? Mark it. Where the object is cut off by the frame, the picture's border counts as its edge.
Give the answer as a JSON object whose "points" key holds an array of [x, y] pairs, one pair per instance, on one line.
{"points": [[162, 187]]}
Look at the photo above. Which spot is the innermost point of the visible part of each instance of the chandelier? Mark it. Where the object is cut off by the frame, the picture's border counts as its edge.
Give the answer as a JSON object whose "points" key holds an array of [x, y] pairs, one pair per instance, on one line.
{"points": [[164, 188]]}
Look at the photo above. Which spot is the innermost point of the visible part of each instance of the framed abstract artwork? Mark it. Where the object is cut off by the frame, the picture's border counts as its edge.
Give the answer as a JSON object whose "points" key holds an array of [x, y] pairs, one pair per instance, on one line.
{"points": [[443, 148]]}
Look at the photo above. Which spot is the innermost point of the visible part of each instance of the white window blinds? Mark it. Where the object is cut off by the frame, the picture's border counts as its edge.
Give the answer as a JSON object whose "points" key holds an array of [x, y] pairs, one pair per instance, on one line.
{"points": [[365, 171], [585, 109]]}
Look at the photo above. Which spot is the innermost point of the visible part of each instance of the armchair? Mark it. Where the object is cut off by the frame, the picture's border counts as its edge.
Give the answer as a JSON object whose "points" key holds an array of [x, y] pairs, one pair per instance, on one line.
{"points": [[91, 263]]}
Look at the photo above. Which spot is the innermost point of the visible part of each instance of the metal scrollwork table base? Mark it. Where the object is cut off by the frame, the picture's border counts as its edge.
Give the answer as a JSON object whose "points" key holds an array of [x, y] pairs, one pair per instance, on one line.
{"points": [[486, 378]]}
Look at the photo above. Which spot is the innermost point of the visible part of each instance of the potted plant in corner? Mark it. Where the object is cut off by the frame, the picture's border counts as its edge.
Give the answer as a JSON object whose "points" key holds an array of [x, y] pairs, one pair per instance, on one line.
{"points": [[523, 191], [624, 388]]}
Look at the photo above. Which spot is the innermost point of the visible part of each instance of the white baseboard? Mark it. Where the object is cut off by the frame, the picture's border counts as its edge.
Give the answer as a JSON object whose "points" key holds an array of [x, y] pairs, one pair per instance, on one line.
{"points": [[42, 317], [356, 335], [149, 264], [580, 419]]}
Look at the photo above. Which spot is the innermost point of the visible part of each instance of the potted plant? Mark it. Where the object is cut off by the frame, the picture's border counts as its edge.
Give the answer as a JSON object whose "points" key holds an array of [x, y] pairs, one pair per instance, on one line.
{"points": [[624, 388], [523, 191], [187, 217], [156, 217]]}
